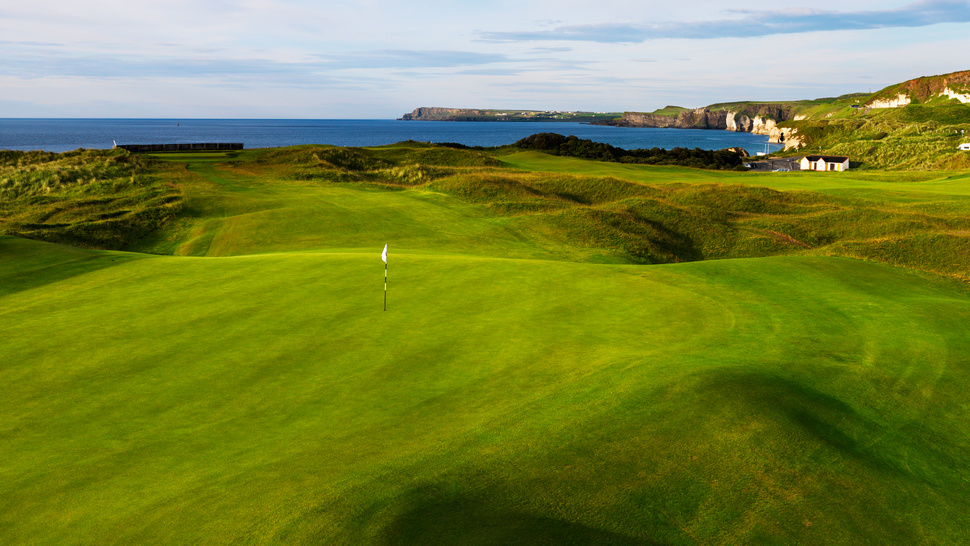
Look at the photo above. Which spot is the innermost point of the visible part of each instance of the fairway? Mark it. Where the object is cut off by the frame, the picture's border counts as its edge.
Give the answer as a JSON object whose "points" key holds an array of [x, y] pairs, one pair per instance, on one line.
{"points": [[242, 384]]}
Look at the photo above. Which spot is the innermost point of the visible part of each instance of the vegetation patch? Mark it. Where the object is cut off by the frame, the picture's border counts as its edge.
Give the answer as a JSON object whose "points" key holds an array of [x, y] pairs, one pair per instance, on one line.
{"points": [[116, 200], [669, 110], [572, 146], [924, 134], [86, 198]]}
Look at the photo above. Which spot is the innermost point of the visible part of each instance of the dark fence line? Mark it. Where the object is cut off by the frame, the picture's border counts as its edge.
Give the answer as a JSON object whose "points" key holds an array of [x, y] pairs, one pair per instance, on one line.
{"points": [[192, 147]]}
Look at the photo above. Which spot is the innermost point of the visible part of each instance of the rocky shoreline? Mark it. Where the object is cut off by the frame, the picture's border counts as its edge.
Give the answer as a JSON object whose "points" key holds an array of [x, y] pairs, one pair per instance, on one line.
{"points": [[760, 119]]}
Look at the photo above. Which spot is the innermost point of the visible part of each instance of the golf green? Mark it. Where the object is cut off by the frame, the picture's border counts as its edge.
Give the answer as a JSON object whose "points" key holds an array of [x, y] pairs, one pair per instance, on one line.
{"points": [[253, 390]]}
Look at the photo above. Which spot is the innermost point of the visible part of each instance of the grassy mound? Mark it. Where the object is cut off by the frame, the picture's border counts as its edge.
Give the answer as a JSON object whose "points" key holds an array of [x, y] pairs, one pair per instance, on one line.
{"points": [[295, 198], [855, 214], [87, 198]]}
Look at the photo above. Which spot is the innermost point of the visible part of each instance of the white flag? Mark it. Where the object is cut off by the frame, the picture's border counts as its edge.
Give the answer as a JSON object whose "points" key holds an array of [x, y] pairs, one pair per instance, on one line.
{"points": [[384, 254]]}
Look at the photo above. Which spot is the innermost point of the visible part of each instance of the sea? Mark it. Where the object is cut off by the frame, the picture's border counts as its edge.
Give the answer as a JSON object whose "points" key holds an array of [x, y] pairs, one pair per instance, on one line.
{"points": [[61, 135]]}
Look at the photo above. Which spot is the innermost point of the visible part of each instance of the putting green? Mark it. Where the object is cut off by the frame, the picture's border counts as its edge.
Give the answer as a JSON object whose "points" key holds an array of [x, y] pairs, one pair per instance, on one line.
{"points": [[268, 397]]}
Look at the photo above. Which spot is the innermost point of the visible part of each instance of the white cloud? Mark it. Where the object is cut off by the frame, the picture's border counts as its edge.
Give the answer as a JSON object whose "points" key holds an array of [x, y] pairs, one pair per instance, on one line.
{"points": [[752, 23]]}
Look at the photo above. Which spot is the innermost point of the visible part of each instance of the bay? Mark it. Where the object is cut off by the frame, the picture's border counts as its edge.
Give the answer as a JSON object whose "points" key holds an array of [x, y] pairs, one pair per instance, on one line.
{"points": [[60, 135]]}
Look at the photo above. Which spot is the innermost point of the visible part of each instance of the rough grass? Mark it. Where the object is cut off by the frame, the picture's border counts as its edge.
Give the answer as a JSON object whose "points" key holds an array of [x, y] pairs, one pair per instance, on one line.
{"points": [[587, 211], [815, 213], [918, 136], [88, 198]]}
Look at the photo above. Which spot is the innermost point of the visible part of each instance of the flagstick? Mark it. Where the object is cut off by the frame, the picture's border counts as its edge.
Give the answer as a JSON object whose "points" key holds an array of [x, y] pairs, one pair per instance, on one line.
{"points": [[384, 259]]}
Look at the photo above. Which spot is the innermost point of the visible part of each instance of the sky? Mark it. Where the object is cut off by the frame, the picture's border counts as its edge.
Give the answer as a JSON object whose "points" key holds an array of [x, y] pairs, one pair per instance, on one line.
{"points": [[378, 59]]}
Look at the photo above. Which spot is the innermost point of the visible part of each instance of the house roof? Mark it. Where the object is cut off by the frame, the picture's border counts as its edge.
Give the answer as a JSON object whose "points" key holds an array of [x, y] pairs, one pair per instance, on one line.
{"points": [[827, 158]]}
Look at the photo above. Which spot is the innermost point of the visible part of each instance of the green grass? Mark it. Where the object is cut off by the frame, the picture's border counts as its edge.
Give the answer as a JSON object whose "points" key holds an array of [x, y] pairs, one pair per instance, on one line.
{"points": [[248, 388], [872, 215], [915, 137], [669, 111], [89, 198]]}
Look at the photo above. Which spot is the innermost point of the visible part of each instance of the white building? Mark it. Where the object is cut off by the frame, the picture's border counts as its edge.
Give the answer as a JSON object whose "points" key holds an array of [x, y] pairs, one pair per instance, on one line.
{"points": [[965, 147], [824, 163]]}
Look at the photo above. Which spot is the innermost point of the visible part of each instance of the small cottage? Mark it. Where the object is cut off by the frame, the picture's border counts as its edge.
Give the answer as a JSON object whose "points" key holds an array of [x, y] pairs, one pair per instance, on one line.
{"points": [[824, 163], [965, 147]]}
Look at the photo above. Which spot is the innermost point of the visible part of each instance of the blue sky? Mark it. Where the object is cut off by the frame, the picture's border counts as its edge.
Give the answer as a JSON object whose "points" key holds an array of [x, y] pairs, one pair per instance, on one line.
{"points": [[380, 59]]}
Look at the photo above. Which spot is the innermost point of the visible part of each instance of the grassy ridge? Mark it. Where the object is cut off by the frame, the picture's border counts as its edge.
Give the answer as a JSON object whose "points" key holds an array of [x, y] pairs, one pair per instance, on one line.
{"points": [[88, 198], [875, 216], [591, 211], [927, 88]]}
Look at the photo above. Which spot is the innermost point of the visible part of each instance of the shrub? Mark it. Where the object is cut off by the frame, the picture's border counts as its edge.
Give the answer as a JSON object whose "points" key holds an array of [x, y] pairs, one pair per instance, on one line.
{"points": [[572, 146]]}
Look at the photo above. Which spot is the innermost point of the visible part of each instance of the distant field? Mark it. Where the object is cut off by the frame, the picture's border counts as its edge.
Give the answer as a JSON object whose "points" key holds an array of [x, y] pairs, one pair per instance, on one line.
{"points": [[231, 377], [946, 182]]}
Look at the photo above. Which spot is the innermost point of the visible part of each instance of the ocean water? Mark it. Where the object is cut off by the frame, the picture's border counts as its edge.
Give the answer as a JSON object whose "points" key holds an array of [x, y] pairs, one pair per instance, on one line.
{"points": [[60, 135]]}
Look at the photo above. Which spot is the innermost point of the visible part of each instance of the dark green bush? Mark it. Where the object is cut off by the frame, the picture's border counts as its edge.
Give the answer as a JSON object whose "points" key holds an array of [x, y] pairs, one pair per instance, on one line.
{"points": [[572, 146]]}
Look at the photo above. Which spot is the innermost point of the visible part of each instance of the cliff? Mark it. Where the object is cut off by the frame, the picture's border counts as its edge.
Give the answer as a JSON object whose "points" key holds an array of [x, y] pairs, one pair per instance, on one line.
{"points": [[435, 113], [755, 118], [955, 85]]}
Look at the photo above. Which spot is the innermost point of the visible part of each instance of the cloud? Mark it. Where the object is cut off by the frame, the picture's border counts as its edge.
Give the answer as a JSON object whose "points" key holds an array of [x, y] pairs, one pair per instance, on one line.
{"points": [[753, 24], [21, 43], [547, 50], [108, 67], [405, 59], [491, 72], [39, 64]]}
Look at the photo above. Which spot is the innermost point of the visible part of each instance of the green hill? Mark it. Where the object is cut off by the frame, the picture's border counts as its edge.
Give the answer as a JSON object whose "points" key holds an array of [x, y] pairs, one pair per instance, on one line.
{"points": [[917, 124], [231, 377], [914, 125]]}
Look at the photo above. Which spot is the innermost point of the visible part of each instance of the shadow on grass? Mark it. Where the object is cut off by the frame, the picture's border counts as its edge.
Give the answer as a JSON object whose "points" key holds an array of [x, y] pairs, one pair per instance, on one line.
{"points": [[439, 519], [26, 264], [826, 419]]}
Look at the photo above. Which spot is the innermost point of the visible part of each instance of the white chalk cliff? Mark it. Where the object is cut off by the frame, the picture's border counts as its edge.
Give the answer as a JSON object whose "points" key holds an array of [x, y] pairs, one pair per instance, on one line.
{"points": [[900, 100], [962, 97]]}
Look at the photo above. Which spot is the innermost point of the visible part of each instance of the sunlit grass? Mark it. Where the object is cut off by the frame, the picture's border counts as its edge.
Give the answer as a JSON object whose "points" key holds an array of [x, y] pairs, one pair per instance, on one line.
{"points": [[248, 386]]}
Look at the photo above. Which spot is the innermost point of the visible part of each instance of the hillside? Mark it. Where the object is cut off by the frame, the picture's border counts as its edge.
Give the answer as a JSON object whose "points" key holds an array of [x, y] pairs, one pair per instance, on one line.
{"points": [[791, 367], [87, 198], [866, 127], [917, 124], [954, 86]]}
